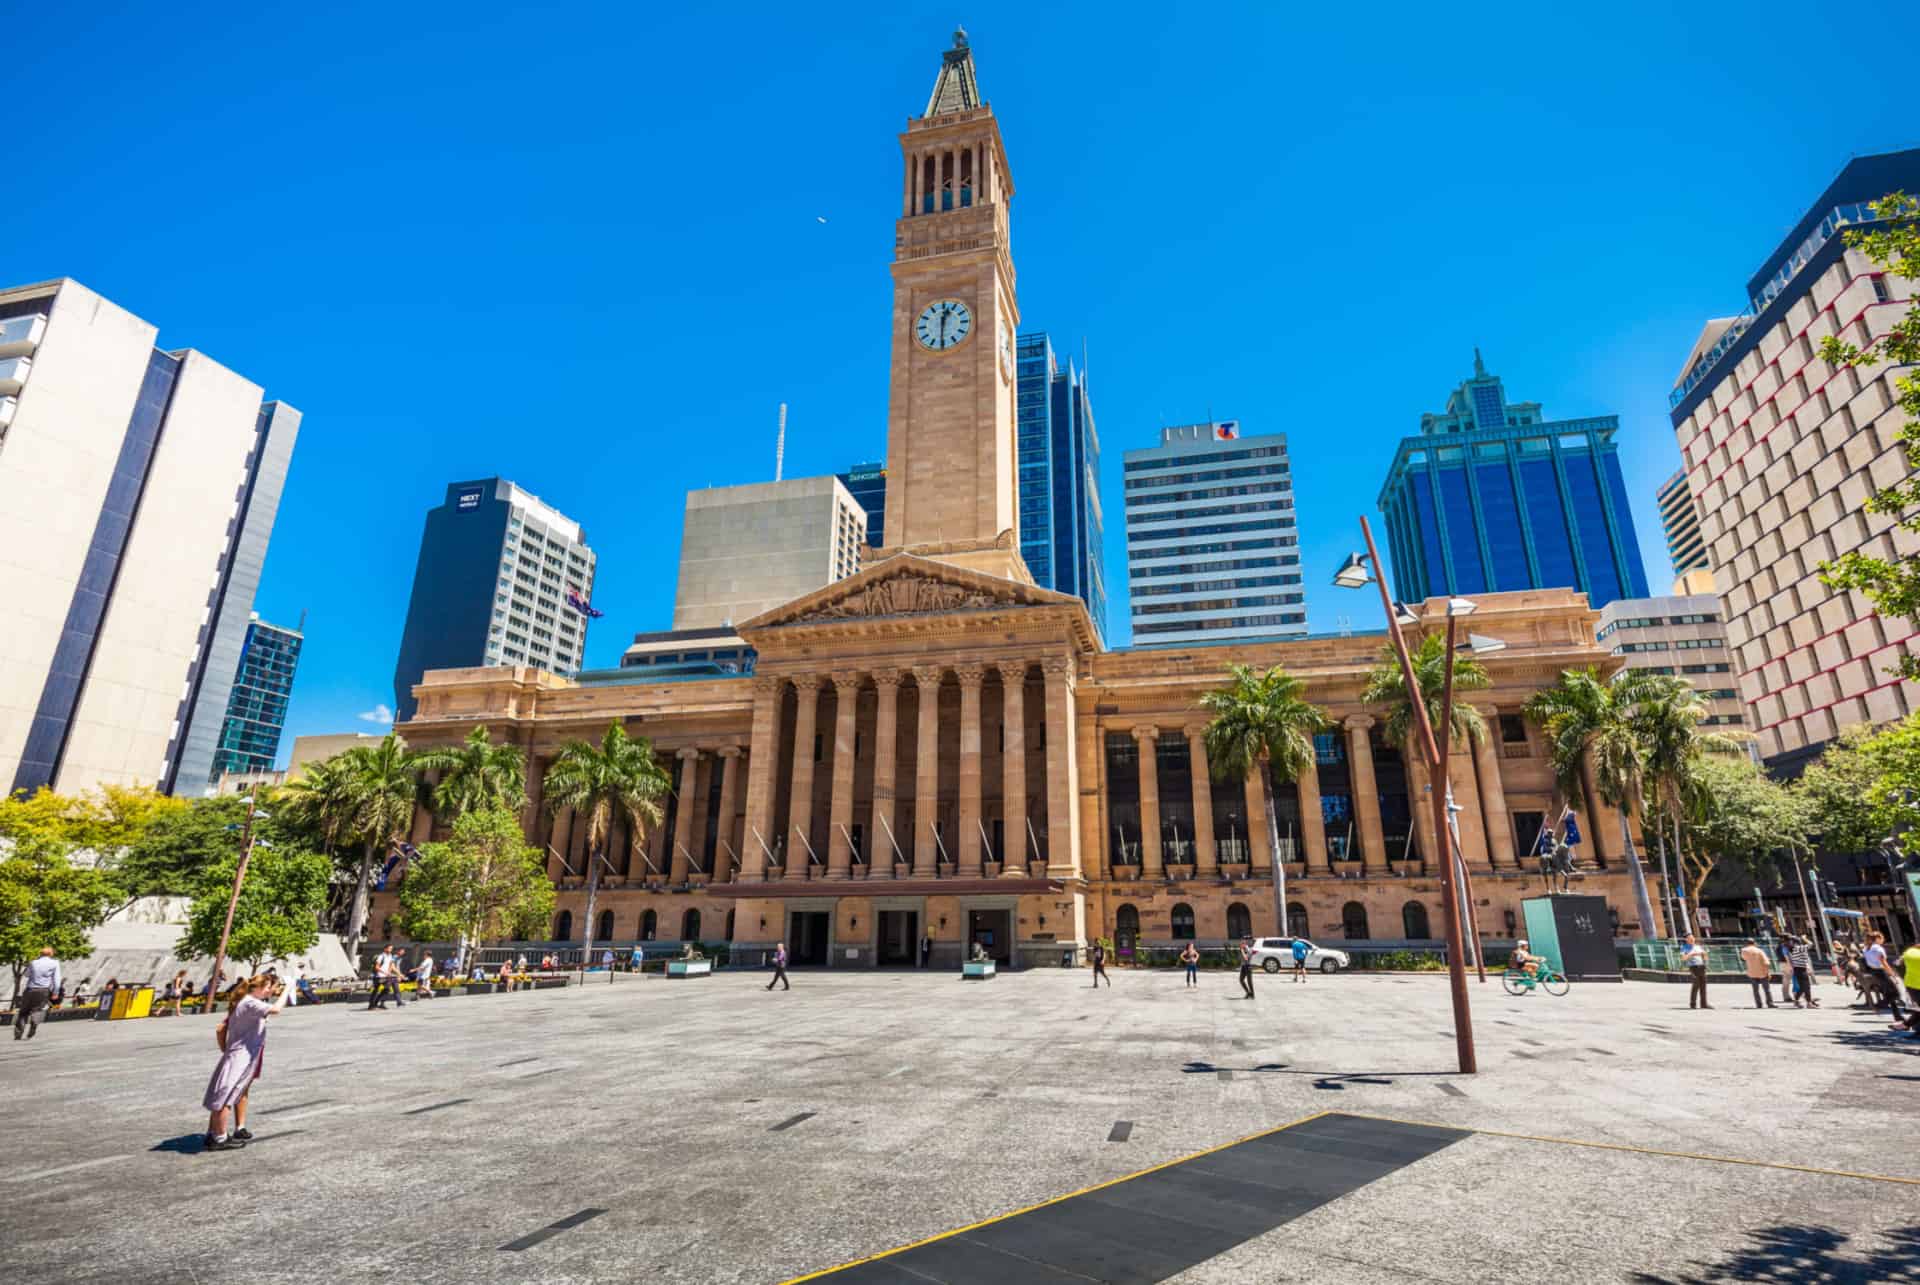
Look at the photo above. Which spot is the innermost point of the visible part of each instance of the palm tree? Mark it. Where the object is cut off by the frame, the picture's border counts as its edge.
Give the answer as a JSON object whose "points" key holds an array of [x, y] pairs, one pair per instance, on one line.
{"points": [[477, 775], [318, 801], [1261, 724], [620, 778], [1592, 720], [380, 787], [1387, 685], [1666, 719]]}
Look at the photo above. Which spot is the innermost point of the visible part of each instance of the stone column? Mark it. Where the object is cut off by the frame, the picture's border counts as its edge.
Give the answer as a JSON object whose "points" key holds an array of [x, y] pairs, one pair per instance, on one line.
{"points": [[755, 840], [1313, 818], [681, 849], [1366, 794], [926, 772], [967, 850], [1013, 768], [536, 791], [1466, 796], [726, 848], [1063, 773], [1259, 843], [1493, 795], [1603, 839], [799, 833], [886, 757], [1420, 804], [1206, 855], [1147, 738], [840, 810]]}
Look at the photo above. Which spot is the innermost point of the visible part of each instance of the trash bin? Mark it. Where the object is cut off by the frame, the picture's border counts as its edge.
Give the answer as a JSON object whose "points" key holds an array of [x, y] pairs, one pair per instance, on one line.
{"points": [[127, 1001]]}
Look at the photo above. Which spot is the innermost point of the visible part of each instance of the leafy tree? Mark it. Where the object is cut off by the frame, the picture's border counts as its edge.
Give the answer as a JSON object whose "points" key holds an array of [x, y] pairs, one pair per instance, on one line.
{"points": [[1891, 584], [477, 775], [619, 778], [103, 822], [1386, 685], [173, 853], [486, 883], [277, 915], [1736, 815], [1838, 791], [374, 789], [47, 901], [1260, 724]]}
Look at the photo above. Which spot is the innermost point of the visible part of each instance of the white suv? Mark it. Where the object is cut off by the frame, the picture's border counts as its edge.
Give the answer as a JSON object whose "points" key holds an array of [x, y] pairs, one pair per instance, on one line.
{"points": [[1276, 953]]}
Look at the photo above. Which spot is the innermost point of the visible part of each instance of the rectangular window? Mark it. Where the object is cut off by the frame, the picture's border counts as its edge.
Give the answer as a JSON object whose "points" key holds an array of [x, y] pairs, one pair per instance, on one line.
{"points": [[1513, 729]]}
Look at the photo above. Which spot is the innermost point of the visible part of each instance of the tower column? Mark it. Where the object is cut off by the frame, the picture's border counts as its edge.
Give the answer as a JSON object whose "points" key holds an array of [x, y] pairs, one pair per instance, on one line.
{"points": [[799, 836], [1259, 842], [967, 849], [1063, 771], [1206, 856], [886, 757], [1147, 738], [1493, 794], [926, 772], [1366, 794], [1013, 768], [756, 843], [683, 814], [726, 853], [1312, 850], [840, 808]]}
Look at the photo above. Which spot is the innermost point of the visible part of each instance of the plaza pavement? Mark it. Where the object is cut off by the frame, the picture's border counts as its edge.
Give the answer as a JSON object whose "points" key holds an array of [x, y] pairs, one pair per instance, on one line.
{"points": [[728, 1134]]}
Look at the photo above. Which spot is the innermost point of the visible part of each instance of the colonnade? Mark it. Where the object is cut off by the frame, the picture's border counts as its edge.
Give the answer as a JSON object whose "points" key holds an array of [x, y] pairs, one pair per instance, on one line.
{"points": [[934, 171]]}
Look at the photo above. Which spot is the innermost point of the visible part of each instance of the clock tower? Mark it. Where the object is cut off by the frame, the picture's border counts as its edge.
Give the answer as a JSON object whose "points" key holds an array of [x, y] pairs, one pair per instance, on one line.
{"points": [[951, 434]]}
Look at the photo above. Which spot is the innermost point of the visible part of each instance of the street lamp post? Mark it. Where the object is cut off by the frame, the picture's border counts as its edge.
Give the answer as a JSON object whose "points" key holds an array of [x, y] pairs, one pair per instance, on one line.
{"points": [[233, 902], [1435, 748]]}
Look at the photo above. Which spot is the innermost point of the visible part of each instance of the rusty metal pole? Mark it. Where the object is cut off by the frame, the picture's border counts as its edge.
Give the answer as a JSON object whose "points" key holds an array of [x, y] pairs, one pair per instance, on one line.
{"points": [[239, 878]]}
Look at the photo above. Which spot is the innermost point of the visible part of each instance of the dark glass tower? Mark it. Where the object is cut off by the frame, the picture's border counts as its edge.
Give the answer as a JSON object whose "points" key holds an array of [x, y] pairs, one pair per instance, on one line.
{"points": [[1061, 529], [867, 483], [257, 707], [1491, 497]]}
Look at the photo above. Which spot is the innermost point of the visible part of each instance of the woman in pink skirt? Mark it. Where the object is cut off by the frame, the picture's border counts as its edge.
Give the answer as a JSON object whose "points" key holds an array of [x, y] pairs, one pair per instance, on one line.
{"points": [[244, 1046]]}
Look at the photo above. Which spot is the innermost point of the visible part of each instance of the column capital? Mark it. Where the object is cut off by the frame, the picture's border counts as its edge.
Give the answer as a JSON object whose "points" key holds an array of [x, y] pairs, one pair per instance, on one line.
{"points": [[730, 751], [689, 752], [1058, 667], [848, 684], [929, 675], [1357, 722], [1195, 731], [1013, 671], [768, 685], [886, 677], [805, 682], [1145, 732], [970, 675]]}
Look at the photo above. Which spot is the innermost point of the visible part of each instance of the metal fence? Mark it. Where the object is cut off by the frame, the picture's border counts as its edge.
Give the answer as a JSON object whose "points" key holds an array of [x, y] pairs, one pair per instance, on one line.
{"points": [[1671, 956]]}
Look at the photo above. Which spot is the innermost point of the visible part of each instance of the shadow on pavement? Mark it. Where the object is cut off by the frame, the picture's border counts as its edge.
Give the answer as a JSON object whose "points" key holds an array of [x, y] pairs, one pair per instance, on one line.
{"points": [[1807, 1256], [187, 1144]]}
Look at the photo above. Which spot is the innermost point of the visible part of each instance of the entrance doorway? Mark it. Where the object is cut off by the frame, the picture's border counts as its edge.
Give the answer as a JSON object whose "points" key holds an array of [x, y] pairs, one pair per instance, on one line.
{"points": [[807, 937], [993, 930], [899, 937]]}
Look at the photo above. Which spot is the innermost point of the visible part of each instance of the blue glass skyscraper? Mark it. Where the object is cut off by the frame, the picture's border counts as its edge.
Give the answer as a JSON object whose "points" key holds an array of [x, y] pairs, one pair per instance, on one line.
{"points": [[1061, 529], [257, 706], [1491, 496]]}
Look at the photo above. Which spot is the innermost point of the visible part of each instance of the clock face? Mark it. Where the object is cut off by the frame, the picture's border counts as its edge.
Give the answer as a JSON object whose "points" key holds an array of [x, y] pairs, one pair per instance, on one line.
{"points": [[943, 324], [1006, 352]]}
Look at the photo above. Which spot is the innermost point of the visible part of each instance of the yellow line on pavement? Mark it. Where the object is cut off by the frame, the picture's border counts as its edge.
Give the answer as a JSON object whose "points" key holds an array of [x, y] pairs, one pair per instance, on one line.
{"points": [[1098, 1186], [1650, 1151]]}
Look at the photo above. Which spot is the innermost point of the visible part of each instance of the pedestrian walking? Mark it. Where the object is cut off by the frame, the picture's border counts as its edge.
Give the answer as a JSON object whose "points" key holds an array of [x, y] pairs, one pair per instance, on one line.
{"points": [[423, 976], [1246, 966], [1759, 973], [1696, 957], [926, 948], [386, 978], [43, 980], [1191, 958], [1099, 957], [1801, 958], [1783, 955], [780, 968], [606, 959], [1910, 966], [1299, 960], [242, 1036]]}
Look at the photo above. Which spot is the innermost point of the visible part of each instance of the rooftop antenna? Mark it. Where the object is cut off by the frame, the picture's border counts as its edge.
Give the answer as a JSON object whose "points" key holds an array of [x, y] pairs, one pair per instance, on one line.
{"points": [[780, 444], [302, 628]]}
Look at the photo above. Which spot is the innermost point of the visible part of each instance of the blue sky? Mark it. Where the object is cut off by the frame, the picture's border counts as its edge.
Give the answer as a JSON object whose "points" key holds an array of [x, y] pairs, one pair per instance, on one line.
{"points": [[580, 247]]}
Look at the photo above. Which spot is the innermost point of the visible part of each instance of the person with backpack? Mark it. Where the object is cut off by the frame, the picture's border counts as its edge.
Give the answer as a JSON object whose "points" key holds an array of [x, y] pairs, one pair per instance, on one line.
{"points": [[1098, 956], [1299, 960]]}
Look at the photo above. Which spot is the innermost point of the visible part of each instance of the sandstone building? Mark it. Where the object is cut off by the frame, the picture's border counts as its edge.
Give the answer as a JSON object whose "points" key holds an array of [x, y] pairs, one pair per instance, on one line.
{"points": [[937, 747]]}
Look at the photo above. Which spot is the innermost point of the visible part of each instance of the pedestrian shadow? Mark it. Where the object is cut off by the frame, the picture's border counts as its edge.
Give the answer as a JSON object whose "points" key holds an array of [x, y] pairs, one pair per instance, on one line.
{"points": [[187, 1144], [1877, 1038], [1327, 1081], [1807, 1256]]}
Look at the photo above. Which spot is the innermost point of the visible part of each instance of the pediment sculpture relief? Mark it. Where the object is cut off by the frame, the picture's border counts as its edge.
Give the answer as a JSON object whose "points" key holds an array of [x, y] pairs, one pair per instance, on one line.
{"points": [[902, 596]]}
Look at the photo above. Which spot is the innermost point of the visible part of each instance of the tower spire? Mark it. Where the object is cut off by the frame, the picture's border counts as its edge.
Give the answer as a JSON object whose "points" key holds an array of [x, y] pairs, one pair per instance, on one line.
{"points": [[1479, 367], [957, 89]]}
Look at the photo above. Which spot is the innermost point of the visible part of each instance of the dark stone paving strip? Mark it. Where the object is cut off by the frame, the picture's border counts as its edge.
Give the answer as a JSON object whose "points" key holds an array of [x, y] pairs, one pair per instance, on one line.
{"points": [[517, 1061], [1226, 1075], [1122, 1130], [1602, 1052], [295, 1107], [324, 1066], [792, 1120], [451, 1102], [1158, 1224], [551, 1229]]}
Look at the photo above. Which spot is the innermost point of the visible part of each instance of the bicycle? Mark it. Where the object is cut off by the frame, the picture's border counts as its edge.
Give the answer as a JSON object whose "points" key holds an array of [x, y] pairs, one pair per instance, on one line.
{"points": [[1518, 982]]}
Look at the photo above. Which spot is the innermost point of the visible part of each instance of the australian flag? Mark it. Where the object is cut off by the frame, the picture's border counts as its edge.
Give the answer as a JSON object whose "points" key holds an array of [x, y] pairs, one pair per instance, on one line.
{"points": [[582, 606], [1573, 830], [403, 852]]}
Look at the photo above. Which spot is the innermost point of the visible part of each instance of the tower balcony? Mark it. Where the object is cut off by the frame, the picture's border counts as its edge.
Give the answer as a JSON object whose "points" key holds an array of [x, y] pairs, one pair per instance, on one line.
{"points": [[6, 412], [19, 336], [13, 373]]}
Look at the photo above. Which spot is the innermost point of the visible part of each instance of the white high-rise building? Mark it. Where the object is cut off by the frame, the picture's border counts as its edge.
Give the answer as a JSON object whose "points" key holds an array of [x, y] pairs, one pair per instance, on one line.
{"points": [[138, 489], [1213, 548]]}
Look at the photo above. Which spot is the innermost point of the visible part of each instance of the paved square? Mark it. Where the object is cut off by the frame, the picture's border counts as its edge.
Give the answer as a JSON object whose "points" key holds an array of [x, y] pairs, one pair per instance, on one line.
{"points": [[710, 1131]]}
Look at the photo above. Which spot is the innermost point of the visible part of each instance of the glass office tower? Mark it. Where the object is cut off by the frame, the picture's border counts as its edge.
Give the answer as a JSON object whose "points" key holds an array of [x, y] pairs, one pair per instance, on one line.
{"points": [[1061, 527], [257, 707], [868, 485], [1492, 496]]}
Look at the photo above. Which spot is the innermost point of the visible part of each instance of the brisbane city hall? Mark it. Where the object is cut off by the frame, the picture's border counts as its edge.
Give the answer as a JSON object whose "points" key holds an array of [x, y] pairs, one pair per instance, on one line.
{"points": [[936, 747]]}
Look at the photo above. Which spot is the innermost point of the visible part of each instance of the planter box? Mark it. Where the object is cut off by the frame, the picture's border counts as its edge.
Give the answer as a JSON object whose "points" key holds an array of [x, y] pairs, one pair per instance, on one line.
{"points": [[981, 971], [1126, 872], [1347, 869], [548, 983], [479, 988], [689, 967], [1180, 870], [993, 869]]}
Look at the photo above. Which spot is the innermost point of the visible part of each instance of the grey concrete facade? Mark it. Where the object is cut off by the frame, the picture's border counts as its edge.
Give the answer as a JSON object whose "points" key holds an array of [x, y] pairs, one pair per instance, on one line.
{"points": [[748, 549], [1685, 636]]}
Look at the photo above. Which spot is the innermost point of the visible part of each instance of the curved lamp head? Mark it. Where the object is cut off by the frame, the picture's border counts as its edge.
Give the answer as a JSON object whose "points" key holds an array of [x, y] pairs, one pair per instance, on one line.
{"points": [[1353, 573]]}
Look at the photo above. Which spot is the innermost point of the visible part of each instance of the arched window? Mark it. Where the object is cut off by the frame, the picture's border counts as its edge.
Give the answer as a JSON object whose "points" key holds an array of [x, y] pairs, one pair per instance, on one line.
{"points": [[729, 925], [1353, 918], [1413, 921], [1126, 927], [1183, 922], [1239, 922], [690, 926], [1296, 919], [606, 927], [649, 922], [563, 926]]}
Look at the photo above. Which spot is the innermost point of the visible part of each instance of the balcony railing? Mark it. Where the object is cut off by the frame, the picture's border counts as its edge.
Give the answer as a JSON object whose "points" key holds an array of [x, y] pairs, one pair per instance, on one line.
{"points": [[13, 373], [19, 336]]}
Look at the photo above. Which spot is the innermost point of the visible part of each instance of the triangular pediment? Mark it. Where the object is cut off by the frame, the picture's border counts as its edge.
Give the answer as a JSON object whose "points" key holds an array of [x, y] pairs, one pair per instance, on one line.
{"points": [[907, 585]]}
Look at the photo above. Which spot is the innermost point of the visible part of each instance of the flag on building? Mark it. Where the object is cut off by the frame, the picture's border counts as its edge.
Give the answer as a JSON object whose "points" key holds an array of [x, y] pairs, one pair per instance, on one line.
{"points": [[582, 606], [403, 852]]}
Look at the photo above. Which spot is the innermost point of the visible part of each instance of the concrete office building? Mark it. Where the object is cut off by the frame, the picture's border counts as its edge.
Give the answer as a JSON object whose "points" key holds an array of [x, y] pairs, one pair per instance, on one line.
{"points": [[1062, 531], [744, 549], [681, 653], [138, 490], [1492, 496], [494, 585], [257, 708], [1213, 544], [867, 484], [1781, 452], [1680, 519], [1681, 635]]}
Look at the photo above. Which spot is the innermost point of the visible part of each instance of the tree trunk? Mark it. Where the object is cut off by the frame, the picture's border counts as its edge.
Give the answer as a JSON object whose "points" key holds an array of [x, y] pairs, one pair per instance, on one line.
{"points": [[1642, 904], [357, 914], [593, 889], [1273, 846]]}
